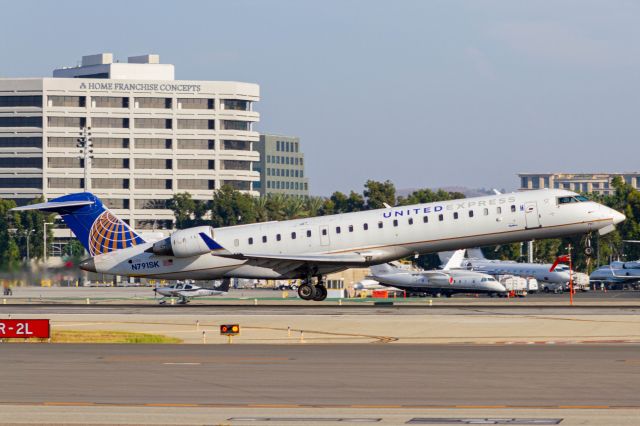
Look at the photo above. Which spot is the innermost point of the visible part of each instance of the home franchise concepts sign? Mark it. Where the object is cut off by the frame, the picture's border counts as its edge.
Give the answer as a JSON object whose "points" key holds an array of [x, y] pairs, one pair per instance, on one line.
{"points": [[155, 87]]}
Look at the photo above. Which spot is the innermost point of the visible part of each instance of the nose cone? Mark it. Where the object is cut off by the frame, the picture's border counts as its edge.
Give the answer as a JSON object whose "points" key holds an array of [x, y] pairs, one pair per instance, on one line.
{"points": [[617, 217], [88, 265]]}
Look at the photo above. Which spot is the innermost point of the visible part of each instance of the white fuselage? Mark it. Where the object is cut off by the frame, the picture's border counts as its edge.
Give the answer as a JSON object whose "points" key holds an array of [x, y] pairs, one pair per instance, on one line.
{"points": [[539, 271], [378, 235]]}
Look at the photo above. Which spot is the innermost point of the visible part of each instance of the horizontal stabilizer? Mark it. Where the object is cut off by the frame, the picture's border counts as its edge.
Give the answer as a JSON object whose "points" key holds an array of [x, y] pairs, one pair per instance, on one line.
{"points": [[55, 206]]}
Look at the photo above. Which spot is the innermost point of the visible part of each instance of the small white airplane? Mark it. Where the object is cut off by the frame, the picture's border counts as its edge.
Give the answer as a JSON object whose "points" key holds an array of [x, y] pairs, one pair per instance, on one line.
{"points": [[445, 282], [313, 247], [186, 291]]}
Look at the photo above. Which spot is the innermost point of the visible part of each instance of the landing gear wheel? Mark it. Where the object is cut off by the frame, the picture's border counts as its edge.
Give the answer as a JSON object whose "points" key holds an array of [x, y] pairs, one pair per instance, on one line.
{"points": [[321, 293], [306, 291]]}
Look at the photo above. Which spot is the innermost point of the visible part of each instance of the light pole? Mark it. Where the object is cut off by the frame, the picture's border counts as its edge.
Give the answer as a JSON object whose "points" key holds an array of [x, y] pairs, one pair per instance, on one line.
{"points": [[28, 235], [44, 226], [86, 150]]}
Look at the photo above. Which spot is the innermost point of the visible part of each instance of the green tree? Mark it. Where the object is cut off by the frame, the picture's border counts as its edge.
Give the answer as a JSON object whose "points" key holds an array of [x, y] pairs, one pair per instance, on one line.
{"points": [[231, 207], [182, 206], [379, 193], [9, 250], [313, 205]]}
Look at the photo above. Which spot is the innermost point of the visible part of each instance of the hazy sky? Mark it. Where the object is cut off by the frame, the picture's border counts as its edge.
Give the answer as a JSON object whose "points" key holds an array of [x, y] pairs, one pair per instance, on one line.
{"points": [[424, 93]]}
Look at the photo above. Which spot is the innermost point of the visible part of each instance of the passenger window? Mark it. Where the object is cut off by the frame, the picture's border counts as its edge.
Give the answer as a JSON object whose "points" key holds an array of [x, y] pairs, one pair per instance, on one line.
{"points": [[410, 221], [470, 213], [498, 210], [455, 215], [278, 237], [440, 217], [264, 238], [486, 211], [365, 226], [380, 225], [308, 233], [324, 231], [293, 235], [250, 240], [350, 228], [513, 208], [425, 219], [337, 229], [395, 222]]}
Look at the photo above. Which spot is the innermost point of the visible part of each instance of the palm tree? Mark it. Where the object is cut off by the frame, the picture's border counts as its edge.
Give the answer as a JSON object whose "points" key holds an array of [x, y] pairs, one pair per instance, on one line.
{"points": [[312, 205], [293, 207], [262, 212]]}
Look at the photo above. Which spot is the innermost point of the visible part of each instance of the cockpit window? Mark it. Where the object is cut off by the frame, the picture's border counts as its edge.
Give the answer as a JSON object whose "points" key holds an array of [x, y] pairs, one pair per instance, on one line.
{"points": [[576, 199]]}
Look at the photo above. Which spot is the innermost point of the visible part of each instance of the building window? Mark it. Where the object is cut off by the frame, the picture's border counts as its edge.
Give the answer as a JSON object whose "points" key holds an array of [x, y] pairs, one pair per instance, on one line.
{"points": [[236, 125], [67, 101], [110, 102], [153, 204], [236, 104], [77, 122], [103, 143], [235, 165], [195, 164], [116, 203], [153, 184], [196, 184], [32, 162], [200, 124], [63, 183], [110, 183], [20, 101], [152, 143], [110, 123], [236, 145], [110, 163], [239, 185], [154, 163], [161, 103], [28, 142], [24, 183], [153, 123], [196, 103], [203, 144]]}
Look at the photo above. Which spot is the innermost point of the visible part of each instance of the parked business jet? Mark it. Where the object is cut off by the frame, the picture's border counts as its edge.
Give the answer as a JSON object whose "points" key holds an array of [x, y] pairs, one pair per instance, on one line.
{"points": [[186, 291], [313, 247], [446, 281], [618, 273], [559, 277]]}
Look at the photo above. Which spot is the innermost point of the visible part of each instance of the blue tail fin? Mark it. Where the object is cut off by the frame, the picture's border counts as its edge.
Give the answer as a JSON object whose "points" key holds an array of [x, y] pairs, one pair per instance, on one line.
{"points": [[99, 230]]}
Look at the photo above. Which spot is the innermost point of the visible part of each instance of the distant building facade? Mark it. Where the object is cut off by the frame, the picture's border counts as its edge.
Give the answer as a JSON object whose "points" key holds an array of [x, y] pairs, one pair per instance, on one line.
{"points": [[578, 182], [281, 166], [153, 136]]}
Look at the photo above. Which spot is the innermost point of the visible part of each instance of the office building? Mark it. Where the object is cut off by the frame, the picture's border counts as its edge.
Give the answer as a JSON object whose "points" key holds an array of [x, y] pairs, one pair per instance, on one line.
{"points": [[153, 136], [281, 166], [578, 182]]}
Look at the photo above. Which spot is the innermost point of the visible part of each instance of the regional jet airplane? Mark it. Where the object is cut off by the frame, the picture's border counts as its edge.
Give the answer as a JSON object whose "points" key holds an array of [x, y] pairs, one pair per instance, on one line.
{"points": [[313, 247]]}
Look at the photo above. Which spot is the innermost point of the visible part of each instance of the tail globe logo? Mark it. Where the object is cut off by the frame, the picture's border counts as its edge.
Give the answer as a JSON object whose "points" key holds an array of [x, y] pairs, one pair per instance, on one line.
{"points": [[108, 233]]}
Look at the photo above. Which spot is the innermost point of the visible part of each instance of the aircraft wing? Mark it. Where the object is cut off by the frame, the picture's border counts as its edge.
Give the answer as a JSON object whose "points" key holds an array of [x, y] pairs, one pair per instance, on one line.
{"points": [[291, 262]]}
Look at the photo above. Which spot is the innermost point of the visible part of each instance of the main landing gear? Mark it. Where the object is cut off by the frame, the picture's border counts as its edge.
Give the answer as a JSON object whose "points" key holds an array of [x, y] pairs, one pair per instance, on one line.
{"points": [[309, 291]]}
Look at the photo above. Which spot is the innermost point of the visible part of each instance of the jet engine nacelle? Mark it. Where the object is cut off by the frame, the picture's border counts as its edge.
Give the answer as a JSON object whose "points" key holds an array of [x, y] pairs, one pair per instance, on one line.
{"points": [[184, 243]]}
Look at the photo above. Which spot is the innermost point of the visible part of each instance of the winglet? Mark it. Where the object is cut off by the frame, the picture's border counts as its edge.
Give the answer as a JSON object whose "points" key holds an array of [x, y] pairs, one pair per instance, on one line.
{"points": [[209, 242]]}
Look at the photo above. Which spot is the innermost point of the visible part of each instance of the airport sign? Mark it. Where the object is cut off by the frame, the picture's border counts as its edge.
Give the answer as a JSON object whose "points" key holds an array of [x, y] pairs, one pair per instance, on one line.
{"points": [[24, 328]]}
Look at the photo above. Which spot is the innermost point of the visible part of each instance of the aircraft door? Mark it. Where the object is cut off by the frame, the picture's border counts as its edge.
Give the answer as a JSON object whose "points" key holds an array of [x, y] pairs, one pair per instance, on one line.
{"points": [[531, 215], [324, 236]]}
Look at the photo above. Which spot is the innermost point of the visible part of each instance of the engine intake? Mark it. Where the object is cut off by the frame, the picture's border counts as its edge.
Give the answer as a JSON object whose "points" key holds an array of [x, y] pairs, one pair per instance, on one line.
{"points": [[184, 243]]}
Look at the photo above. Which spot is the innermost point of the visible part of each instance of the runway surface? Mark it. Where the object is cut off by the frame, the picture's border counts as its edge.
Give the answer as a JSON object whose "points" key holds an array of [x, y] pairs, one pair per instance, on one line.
{"points": [[427, 376], [318, 309]]}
